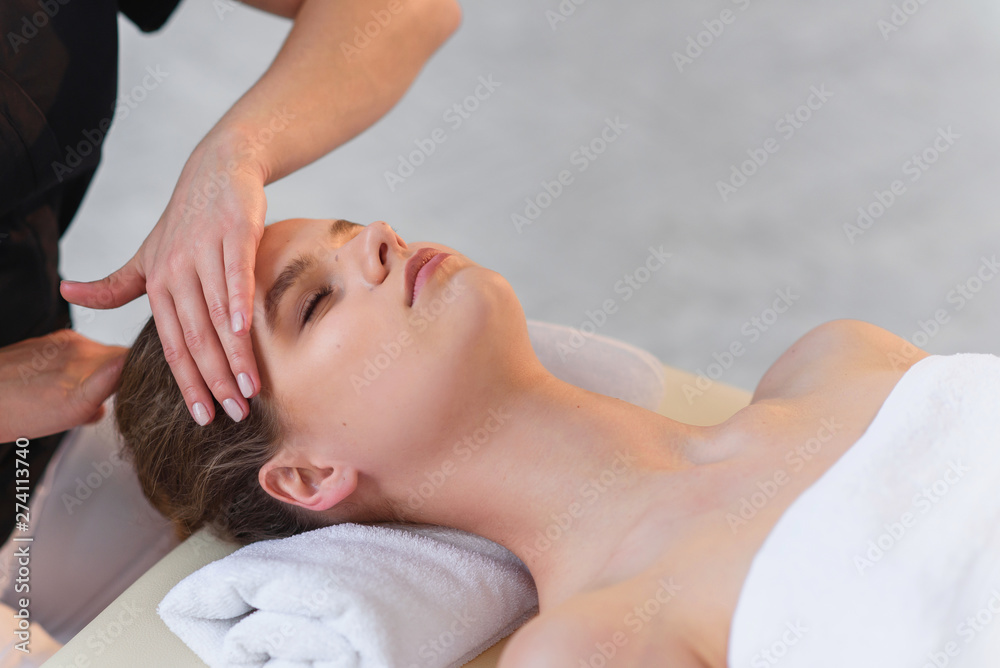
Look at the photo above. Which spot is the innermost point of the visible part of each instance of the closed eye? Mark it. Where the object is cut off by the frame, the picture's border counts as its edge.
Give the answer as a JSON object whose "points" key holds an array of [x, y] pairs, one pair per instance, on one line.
{"points": [[313, 301]]}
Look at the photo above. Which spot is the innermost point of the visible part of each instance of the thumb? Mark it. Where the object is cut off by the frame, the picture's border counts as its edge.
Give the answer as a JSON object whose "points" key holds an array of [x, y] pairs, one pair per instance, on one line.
{"points": [[99, 385], [112, 291]]}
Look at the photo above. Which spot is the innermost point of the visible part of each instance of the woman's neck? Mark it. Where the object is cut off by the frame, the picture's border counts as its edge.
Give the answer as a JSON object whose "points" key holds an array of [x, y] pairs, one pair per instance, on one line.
{"points": [[558, 475]]}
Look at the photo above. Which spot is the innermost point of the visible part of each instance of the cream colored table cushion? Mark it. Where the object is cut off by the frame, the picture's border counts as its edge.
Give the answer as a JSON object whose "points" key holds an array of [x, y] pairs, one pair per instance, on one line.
{"points": [[129, 633]]}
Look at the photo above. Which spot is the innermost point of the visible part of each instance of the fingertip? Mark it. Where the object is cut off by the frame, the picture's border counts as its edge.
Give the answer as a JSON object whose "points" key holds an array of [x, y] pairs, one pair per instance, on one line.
{"points": [[239, 323], [200, 413], [246, 385], [83, 297]]}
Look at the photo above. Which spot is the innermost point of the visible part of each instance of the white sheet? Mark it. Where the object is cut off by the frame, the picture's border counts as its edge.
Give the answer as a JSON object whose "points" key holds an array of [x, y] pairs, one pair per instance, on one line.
{"points": [[892, 558]]}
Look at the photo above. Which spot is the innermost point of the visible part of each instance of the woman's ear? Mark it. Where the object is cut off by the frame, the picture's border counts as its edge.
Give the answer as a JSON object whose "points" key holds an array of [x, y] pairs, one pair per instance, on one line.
{"points": [[307, 485]]}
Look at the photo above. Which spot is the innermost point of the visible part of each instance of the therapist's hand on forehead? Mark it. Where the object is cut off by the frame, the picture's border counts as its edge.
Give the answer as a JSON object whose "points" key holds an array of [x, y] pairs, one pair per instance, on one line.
{"points": [[197, 264]]}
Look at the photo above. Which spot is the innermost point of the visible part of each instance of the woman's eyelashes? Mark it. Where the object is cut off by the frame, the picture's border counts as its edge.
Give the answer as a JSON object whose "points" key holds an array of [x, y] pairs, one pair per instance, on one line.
{"points": [[313, 301]]}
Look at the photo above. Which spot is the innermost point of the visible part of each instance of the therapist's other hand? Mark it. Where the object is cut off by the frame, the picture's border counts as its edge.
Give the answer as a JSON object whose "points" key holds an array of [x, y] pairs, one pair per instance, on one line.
{"points": [[52, 383], [197, 267]]}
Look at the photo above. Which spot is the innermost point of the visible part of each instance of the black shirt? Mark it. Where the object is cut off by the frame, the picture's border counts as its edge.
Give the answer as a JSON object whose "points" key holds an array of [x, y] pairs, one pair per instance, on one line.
{"points": [[58, 85]]}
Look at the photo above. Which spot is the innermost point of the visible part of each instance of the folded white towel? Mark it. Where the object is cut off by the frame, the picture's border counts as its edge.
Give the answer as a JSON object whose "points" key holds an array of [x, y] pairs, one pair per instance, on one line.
{"points": [[891, 558], [353, 596]]}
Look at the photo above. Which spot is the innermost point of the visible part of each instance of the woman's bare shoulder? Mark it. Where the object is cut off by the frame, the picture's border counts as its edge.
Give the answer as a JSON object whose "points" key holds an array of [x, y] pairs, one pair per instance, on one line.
{"points": [[598, 627], [836, 350]]}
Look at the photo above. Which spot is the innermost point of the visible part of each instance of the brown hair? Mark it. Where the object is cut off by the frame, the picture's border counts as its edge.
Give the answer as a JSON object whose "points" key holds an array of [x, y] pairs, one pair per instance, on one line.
{"points": [[207, 476]]}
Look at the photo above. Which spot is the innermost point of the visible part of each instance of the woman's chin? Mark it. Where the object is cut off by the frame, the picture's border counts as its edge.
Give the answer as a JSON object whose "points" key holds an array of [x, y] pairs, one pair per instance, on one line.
{"points": [[482, 306], [475, 331]]}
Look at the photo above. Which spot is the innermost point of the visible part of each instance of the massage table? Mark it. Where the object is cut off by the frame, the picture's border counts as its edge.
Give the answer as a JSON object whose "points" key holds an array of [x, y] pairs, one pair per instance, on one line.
{"points": [[129, 633]]}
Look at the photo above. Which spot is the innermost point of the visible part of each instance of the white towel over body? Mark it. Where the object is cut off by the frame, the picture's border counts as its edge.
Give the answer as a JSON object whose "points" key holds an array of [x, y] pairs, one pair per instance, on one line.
{"points": [[891, 558], [353, 596]]}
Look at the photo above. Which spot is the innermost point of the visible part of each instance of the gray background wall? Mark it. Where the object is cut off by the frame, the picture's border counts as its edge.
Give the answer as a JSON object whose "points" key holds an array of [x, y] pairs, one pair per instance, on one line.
{"points": [[655, 185]]}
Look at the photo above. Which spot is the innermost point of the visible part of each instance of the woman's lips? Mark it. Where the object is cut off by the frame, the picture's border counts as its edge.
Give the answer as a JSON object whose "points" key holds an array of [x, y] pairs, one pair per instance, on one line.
{"points": [[413, 265], [424, 274]]}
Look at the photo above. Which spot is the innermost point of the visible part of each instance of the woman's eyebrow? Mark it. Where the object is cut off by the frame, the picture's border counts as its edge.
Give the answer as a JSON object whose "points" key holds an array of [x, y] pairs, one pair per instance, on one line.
{"points": [[294, 271]]}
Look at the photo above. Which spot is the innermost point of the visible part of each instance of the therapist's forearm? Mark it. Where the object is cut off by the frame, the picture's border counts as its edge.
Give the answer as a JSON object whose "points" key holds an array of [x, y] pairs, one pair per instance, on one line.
{"points": [[328, 84]]}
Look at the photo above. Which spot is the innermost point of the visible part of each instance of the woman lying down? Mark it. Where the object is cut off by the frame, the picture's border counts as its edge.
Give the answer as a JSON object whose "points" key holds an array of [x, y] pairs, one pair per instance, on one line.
{"points": [[892, 561]]}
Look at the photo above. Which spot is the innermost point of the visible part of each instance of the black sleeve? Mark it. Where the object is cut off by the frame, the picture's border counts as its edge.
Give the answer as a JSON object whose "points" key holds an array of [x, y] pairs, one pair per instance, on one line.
{"points": [[147, 15]]}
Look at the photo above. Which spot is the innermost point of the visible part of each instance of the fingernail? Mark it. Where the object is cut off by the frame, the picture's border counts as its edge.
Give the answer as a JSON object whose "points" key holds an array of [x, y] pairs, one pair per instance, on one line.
{"points": [[238, 322], [246, 385], [233, 409], [200, 414], [66, 280]]}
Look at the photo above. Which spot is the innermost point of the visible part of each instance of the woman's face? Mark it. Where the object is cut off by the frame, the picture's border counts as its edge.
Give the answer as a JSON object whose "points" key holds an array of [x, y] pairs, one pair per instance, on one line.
{"points": [[362, 374]]}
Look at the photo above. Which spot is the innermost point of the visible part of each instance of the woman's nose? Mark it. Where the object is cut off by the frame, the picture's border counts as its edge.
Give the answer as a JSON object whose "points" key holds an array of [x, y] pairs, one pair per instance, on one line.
{"points": [[382, 251]]}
